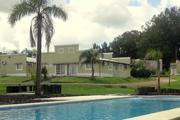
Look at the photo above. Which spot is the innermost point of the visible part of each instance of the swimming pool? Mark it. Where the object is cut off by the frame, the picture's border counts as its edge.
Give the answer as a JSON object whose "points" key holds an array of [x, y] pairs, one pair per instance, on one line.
{"points": [[114, 109]]}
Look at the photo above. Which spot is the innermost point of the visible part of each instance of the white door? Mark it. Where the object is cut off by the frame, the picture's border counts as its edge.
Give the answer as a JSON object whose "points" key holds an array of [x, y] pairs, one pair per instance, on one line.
{"points": [[72, 69], [174, 71], [60, 69]]}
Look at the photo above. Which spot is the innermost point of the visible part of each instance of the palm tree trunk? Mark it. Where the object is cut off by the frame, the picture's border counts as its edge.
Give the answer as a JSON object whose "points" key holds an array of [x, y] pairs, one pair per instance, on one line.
{"points": [[38, 67], [93, 71], [158, 76]]}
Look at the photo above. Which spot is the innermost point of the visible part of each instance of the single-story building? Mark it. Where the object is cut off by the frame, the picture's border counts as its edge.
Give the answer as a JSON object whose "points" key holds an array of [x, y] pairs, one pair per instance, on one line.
{"points": [[175, 68], [63, 62]]}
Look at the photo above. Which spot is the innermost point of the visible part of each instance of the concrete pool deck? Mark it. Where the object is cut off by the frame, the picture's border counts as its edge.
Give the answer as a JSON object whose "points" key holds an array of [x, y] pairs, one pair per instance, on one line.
{"points": [[163, 115]]}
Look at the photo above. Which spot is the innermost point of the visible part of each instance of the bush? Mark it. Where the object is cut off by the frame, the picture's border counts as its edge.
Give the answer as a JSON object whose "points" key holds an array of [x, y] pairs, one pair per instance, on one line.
{"points": [[148, 73], [163, 72], [44, 71], [33, 78], [133, 72], [153, 72]]}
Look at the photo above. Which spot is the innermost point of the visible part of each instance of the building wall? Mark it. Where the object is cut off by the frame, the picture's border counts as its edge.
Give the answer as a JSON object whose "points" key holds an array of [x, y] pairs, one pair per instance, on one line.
{"points": [[175, 68], [10, 66], [66, 55]]}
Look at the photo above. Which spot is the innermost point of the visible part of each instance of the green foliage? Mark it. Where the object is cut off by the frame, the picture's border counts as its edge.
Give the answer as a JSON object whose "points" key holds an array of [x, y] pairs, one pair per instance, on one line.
{"points": [[148, 73], [125, 45], [140, 73], [133, 72], [90, 56], [33, 76], [153, 71], [44, 71], [163, 72], [138, 64]]}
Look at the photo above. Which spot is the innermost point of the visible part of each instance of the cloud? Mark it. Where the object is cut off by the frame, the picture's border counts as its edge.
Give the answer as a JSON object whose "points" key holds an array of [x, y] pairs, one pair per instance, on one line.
{"points": [[89, 21], [175, 2], [6, 5]]}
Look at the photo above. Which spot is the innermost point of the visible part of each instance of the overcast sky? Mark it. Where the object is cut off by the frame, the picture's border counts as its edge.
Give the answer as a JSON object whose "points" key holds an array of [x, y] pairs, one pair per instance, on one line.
{"points": [[89, 21]]}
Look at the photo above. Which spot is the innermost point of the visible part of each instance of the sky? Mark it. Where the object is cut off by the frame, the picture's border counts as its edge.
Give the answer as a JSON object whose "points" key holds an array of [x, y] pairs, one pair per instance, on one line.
{"points": [[89, 21]]}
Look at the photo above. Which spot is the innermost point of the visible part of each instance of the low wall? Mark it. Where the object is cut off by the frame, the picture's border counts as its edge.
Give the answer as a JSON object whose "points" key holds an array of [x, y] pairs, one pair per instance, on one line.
{"points": [[153, 91], [52, 89]]}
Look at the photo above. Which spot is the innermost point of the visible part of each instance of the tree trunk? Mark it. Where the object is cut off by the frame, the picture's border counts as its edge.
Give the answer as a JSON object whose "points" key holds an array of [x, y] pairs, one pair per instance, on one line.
{"points": [[38, 67], [93, 71], [158, 76]]}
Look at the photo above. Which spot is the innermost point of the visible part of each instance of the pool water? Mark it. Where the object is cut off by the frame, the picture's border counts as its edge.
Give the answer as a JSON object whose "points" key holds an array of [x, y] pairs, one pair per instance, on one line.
{"points": [[114, 109]]}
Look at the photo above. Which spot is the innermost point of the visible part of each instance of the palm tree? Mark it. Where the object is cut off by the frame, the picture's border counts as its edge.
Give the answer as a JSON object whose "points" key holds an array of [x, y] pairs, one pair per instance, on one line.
{"points": [[156, 55], [41, 23], [90, 56]]}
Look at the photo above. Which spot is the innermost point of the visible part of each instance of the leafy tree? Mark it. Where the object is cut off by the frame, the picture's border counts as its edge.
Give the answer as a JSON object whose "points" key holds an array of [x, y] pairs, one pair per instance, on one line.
{"points": [[41, 23], [96, 46], [104, 47], [90, 57], [125, 45], [162, 32], [156, 55]]}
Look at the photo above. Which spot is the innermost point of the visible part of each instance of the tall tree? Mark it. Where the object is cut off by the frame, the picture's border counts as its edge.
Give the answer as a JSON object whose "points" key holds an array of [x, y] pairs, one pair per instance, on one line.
{"points": [[156, 55], [41, 23], [96, 46], [163, 32], [125, 45], [90, 57], [104, 47]]}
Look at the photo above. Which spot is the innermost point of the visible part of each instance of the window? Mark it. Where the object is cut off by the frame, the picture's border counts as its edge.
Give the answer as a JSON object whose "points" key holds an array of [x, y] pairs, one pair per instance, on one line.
{"points": [[60, 69], [88, 66], [116, 67], [19, 66], [61, 50], [121, 67], [110, 66], [71, 50]]}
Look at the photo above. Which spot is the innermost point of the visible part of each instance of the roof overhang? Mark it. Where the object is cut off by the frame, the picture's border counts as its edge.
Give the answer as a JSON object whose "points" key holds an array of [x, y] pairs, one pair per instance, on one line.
{"points": [[31, 60], [107, 60]]}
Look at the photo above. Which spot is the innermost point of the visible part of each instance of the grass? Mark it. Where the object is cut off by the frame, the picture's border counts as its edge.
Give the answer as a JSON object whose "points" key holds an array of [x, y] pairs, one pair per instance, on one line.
{"points": [[92, 89], [95, 90], [173, 85], [103, 80], [13, 79]]}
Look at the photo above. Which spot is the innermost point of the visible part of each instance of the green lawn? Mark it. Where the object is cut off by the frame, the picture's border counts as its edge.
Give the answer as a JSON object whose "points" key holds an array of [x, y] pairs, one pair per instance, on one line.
{"points": [[92, 89], [103, 80], [13, 79], [173, 85], [95, 89]]}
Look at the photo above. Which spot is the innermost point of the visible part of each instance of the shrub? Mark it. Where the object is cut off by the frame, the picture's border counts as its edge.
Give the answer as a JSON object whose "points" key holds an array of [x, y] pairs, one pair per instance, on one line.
{"points": [[163, 72], [148, 73], [44, 71], [33, 78], [133, 72], [153, 72]]}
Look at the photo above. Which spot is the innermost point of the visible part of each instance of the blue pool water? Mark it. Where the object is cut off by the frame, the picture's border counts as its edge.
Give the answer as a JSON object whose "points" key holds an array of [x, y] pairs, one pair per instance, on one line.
{"points": [[115, 109]]}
